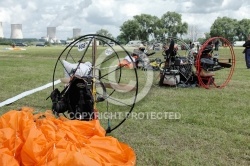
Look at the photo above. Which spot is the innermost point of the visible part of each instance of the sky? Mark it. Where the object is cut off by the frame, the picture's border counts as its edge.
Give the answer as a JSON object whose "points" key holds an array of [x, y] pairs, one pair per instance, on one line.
{"points": [[93, 15]]}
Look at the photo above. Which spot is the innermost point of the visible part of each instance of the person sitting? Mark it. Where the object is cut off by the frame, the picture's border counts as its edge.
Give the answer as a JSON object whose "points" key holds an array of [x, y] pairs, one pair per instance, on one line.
{"points": [[208, 50], [207, 63], [142, 61]]}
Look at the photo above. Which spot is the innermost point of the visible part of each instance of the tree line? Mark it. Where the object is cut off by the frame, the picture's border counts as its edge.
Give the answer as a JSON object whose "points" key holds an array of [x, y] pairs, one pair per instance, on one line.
{"points": [[144, 26]]}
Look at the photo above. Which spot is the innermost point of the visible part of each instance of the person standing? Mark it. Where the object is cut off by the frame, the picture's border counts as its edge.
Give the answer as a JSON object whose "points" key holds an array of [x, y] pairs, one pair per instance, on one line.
{"points": [[216, 45], [247, 52], [190, 45]]}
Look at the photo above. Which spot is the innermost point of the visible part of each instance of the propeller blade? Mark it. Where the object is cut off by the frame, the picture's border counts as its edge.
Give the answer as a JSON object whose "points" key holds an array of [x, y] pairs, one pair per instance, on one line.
{"points": [[226, 65], [170, 50], [205, 73], [65, 80], [120, 86]]}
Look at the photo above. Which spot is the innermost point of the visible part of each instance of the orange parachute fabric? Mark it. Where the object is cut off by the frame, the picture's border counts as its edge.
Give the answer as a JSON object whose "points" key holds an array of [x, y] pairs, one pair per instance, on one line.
{"points": [[125, 63], [128, 62], [42, 139]]}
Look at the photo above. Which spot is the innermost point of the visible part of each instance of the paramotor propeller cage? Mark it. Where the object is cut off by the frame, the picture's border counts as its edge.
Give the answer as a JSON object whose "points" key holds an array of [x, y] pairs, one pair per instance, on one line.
{"points": [[214, 63], [178, 64], [113, 87]]}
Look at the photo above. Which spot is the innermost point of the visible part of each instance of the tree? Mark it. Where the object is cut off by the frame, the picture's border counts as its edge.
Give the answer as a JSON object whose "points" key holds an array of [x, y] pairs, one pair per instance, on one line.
{"points": [[172, 25], [121, 39], [106, 33], [144, 25], [207, 36], [147, 25], [183, 29], [242, 29], [129, 30], [225, 27]]}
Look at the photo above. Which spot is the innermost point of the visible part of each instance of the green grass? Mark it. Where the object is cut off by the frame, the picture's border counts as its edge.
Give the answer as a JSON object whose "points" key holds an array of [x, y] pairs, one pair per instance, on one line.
{"points": [[213, 128]]}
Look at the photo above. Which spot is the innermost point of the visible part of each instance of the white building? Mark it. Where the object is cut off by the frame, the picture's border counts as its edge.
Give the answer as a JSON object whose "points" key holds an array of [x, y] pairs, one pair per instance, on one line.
{"points": [[1, 30], [16, 31]]}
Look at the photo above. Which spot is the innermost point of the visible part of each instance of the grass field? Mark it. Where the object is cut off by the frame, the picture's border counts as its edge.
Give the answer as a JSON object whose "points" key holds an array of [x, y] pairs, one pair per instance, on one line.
{"points": [[213, 127]]}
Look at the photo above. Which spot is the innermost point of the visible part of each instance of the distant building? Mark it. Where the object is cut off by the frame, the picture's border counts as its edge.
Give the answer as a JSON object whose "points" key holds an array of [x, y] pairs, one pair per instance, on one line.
{"points": [[1, 30], [16, 31], [51, 34], [76, 32]]}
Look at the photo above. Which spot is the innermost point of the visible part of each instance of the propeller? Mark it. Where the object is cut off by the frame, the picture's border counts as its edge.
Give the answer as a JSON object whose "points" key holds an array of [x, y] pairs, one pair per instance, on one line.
{"points": [[170, 50], [225, 65], [120, 86]]}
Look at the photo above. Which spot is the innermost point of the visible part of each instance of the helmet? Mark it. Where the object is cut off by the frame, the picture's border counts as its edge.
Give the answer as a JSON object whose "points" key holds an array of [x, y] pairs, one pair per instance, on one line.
{"points": [[141, 46]]}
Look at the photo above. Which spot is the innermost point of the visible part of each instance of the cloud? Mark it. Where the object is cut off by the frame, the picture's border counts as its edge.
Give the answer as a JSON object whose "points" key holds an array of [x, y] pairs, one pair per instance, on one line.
{"points": [[68, 11], [93, 15]]}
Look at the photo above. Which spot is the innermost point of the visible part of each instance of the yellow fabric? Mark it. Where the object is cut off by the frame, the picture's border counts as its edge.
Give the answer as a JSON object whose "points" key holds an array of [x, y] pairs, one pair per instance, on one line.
{"points": [[42, 139]]}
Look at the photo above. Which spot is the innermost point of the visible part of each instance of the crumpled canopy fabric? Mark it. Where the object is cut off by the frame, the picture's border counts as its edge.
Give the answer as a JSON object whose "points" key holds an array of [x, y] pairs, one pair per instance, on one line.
{"points": [[29, 139]]}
